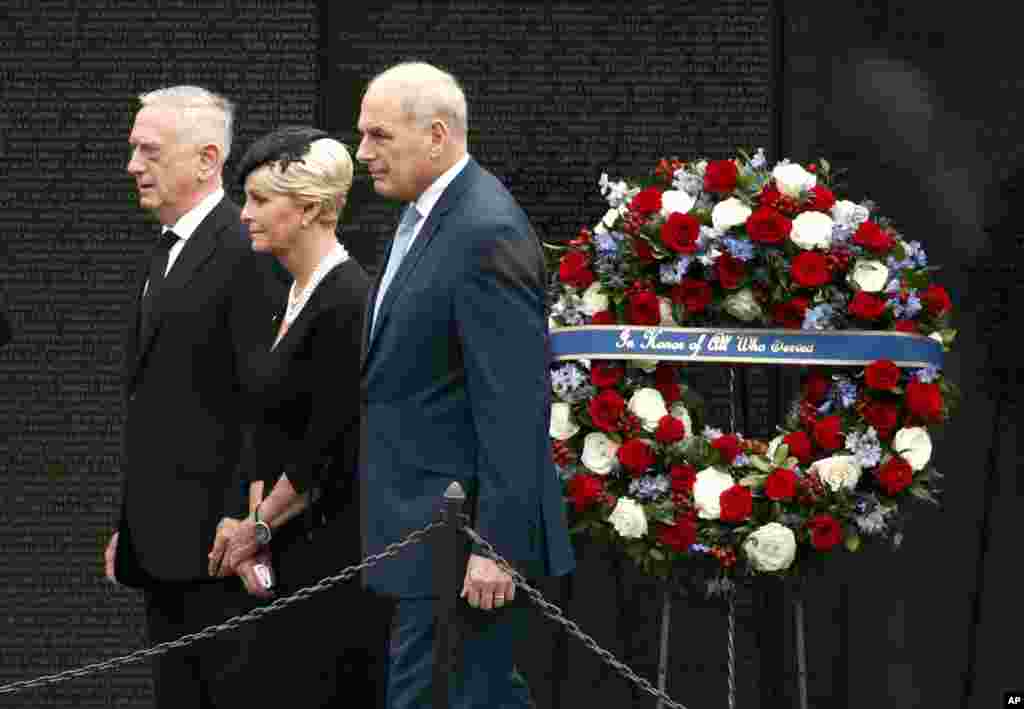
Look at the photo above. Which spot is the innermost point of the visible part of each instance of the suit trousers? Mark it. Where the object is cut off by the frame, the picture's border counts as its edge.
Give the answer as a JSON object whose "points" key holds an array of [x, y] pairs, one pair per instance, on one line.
{"points": [[486, 674], [217, 672]]}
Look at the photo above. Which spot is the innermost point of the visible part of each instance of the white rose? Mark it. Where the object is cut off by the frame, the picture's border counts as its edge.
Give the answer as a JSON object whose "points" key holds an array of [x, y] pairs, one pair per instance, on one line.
{"points": [[676, 201], [551, 323], [628, 518], [837, 472], [870, 276], [915, 445], [649, 406], [792, 180], [707, 489], [742, 305], [812, 229], [937, 336], [665, 306], [599, 453], [729, 213], [701, 167], [562, 426], [849, 213], [771, 547], [680, 411], [594, 301]]}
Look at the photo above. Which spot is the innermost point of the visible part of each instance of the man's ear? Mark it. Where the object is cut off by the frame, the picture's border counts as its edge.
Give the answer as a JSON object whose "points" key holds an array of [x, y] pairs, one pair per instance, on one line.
{"points": [[209, 161], [439, 137]]}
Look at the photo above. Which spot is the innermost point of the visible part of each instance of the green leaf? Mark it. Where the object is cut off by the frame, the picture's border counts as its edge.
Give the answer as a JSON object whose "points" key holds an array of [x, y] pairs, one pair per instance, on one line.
{"points": [[852, 542], [656, 554], [761, 463], [922, 493], [781, 453]]}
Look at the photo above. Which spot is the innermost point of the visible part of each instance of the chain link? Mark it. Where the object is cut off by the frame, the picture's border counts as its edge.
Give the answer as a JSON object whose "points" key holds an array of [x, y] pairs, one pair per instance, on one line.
{"points": [[555, 613], [732, 649], [231, 623]]}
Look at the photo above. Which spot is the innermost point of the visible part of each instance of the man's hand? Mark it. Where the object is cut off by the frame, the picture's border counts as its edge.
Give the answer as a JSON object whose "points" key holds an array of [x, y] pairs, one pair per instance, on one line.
{"points": [[109, 554], [247, 572], [226, 529], [486, 585], [242, 544]]}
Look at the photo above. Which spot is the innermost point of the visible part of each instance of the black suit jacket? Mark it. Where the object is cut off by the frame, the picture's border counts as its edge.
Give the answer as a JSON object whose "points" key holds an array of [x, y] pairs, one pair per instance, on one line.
{"points": [[182, 381], [306, 394], [5, 330]]}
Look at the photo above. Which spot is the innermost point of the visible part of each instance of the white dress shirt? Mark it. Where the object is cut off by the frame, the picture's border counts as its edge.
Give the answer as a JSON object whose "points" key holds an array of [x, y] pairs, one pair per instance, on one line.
{"points": [[187, 225]]}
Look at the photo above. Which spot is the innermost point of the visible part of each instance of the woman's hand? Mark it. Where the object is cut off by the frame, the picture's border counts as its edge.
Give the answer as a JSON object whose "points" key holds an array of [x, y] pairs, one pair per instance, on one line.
{"points": [[241, 545], [251, 577], [225, 531]]}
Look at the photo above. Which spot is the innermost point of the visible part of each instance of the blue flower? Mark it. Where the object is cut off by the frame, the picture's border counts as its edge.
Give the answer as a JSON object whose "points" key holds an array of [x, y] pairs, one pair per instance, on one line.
{"points": [[844, 391], [758, 160], [711, 433], [927, 375], [674, 271], [819, 317], [866, 450], [740, 249], [608, 242], [740, 460], [649, 488], [567, 381]]}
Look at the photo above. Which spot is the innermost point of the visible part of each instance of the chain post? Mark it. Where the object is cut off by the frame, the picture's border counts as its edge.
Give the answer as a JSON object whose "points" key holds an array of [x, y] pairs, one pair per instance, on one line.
{"points": [[447, 551]]}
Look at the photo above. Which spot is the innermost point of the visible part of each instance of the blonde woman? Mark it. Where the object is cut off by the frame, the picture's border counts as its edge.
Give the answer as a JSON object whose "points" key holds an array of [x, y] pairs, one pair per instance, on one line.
{"points": [[304, 521]]}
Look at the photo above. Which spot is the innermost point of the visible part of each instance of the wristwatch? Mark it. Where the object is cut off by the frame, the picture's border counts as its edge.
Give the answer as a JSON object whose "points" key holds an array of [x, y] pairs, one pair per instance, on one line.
{"points": [[262, 528]]}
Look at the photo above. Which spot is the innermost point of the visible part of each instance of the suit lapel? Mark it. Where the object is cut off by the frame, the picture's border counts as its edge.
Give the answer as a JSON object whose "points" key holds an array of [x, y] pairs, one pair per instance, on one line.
{"points": [[449, 199], [197, 250], [368, 311]]}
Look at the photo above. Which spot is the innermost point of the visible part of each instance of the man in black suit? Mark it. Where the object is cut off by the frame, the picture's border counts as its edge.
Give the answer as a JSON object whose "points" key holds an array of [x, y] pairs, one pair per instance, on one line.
{"points": [[195, 300]]}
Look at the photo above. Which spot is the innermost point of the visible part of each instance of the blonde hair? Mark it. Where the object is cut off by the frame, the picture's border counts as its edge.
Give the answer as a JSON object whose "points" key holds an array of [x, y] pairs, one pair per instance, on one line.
{"points": [[323, 176], [428, 92], [204, 117]]}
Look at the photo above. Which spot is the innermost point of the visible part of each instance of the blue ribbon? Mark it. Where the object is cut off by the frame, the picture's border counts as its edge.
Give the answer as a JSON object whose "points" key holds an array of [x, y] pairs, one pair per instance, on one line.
{"points": [[743, 345]]}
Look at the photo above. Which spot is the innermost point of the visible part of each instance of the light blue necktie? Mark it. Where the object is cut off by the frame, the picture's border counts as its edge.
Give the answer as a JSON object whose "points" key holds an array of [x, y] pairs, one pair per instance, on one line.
{"points": [[403, 239]]}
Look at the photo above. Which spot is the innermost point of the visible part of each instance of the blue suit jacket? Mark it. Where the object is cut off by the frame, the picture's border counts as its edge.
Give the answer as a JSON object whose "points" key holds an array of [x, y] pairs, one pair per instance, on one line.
{"points": [[455, 387]]}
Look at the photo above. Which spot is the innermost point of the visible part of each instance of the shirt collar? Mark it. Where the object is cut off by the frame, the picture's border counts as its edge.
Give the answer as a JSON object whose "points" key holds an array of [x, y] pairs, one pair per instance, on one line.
{"points": [[190, 221], [432, 194]]}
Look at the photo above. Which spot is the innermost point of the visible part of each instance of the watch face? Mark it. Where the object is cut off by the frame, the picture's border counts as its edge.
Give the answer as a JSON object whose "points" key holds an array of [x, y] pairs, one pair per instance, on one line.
{"points": [[262, 533]]}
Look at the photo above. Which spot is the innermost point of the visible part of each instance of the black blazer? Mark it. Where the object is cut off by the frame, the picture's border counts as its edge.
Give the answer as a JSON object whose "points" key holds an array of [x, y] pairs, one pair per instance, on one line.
{"points": [[5, 330], [306, 394], [184, 400]]}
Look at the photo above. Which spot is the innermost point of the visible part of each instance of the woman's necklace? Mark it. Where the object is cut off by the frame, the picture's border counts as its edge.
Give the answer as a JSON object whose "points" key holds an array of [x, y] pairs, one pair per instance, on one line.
{"points": [[297, 299]]}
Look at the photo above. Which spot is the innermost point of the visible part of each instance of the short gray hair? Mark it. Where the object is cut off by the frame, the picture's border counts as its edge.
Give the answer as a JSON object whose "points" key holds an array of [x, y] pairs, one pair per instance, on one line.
{"points": [[205, 116], [428, 92]]}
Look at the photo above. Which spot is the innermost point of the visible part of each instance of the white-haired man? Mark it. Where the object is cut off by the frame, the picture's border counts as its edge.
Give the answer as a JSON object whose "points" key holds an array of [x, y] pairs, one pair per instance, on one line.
{"points": [[455, 389], [195, 298]]}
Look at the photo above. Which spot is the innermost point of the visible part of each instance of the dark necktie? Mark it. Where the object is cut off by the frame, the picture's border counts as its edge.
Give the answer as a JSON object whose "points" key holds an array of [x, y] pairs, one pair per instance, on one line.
{"points": [[157, 266]]}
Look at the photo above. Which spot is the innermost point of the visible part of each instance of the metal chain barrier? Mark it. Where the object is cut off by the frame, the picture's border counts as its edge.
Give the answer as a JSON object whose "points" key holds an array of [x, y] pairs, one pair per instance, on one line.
{"points": [[731, 640], [184, 641], [555, 613]]}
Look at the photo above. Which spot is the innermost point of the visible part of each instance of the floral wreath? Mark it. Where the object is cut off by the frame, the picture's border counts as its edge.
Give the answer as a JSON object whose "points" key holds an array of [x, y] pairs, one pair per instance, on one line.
{"points": [[733, 243]]}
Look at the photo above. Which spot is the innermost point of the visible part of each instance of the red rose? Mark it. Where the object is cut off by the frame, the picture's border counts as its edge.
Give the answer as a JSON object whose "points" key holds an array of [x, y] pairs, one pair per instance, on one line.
{"points": [[728, 447], [883, 415], [720, 176], [603, 317], [816, 386], [679, 536], [865, 306], [791, 313], [606, 409], [584, 490], [643, 309], [936, 300], [646, 201], [683, 477], [799, 444], [767, 226], [666, 383], [905, 326], [810, 269], [828, 433], [895, 475], [636, 456], [692, 293], [825, 532], [643, 250], [731, 271], [924, 400], [670, 429], [574, 269], [605, 374], [820, 199], [781, 484], [871, 237], [882, 374], [735, 504], [679, 233]]}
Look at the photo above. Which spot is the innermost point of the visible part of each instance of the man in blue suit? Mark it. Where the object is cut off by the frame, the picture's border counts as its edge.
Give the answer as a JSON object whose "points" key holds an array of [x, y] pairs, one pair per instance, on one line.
{"points": [[455, 387]]}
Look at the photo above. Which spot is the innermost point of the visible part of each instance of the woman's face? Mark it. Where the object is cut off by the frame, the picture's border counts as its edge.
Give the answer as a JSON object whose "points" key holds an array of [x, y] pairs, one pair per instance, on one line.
{"points": [[274, 219]]}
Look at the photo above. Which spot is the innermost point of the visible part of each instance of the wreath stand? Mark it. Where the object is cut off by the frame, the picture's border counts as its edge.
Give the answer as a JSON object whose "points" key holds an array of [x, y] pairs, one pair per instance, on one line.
{"points": [[798, 616]]}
